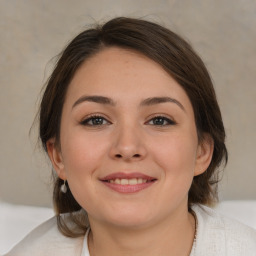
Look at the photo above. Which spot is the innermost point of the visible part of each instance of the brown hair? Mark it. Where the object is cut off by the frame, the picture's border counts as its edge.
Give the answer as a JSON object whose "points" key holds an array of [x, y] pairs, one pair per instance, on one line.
{"points": [[177, 57]]}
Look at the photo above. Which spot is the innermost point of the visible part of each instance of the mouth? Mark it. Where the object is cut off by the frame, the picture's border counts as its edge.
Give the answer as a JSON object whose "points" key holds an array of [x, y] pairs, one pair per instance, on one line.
{"points": [[133, 181], [128, 183]]}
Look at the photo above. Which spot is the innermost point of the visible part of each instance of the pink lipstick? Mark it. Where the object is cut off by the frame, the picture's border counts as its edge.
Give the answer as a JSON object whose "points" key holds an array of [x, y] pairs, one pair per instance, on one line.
{"points": [[128, 182]]}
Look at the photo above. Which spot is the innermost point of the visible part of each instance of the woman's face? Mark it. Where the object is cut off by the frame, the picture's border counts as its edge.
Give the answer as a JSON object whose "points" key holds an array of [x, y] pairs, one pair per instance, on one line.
{"points": [[129, 145]]}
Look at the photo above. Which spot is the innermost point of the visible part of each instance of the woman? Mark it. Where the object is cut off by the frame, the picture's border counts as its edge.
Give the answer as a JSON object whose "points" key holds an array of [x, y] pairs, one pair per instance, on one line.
{"points": [[130, 121]]}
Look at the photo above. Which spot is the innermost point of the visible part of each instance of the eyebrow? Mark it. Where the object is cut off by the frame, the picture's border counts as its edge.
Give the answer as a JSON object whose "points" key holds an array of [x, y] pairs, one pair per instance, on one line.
{"points": [[159, 100], [96, 99], [108, 101]]}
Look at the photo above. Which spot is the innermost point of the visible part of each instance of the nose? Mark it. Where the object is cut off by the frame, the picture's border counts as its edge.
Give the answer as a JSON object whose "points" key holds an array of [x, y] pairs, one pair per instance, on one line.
{"points": [[128, 144]]}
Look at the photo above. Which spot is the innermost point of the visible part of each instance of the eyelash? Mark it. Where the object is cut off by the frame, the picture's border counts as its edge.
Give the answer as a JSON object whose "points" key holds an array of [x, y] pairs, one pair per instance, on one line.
{"points": [[92, 118], [166, 120]]}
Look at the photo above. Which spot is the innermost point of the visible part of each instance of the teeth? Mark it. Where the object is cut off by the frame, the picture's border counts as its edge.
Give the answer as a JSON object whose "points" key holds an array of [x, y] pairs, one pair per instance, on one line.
{"points": [[133, 181], [124, 182]]}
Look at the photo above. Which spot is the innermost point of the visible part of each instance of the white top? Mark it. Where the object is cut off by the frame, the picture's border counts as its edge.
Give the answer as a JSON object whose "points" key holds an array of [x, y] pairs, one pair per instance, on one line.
{"points": [[85, 251], [216, 235]]}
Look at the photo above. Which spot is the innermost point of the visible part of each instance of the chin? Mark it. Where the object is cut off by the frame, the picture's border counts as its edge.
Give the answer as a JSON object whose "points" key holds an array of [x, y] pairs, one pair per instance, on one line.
{"points": [[130, 219]]}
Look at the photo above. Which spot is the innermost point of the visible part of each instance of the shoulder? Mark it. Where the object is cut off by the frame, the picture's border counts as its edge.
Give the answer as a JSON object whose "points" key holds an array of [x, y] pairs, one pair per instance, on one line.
{"points": [[47, 240], [222, 235]]}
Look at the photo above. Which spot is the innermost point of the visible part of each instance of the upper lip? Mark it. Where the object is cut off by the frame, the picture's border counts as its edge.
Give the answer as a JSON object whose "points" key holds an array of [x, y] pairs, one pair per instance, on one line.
{"points": [[123, 175]]}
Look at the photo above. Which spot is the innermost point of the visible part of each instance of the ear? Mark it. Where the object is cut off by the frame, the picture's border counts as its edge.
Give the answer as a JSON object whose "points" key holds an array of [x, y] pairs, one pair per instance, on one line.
{"points": [[55, 155], [204, 154]]}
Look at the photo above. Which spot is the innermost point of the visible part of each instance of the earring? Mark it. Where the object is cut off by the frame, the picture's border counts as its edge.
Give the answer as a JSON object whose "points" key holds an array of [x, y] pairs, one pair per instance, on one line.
{"points": [[63, 187]]}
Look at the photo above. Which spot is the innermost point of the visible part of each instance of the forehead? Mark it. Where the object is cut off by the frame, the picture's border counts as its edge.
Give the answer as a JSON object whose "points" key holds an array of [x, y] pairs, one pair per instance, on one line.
{"points": [[123, 74]]}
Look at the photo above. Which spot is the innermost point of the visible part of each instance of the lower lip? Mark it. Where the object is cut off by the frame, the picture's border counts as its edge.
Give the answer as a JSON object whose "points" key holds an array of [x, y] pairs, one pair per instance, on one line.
{"points": [[128, 188]]}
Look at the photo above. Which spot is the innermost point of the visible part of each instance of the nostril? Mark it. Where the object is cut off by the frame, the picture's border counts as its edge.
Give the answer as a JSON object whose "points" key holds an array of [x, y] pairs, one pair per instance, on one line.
{"points": [[134, 156]]}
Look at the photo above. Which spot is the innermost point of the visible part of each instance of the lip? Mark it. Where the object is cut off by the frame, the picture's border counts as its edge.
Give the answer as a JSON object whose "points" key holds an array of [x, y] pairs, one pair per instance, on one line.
{"points": [[127, 188], [122, 175]]}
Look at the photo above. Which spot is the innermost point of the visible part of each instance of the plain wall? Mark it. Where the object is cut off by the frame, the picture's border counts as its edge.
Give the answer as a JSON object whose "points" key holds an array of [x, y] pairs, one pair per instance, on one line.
{"points": [[34, 31]]}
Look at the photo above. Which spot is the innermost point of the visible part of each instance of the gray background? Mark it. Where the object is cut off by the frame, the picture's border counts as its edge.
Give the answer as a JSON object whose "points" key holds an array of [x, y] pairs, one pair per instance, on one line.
{"points": [[34, 31]]}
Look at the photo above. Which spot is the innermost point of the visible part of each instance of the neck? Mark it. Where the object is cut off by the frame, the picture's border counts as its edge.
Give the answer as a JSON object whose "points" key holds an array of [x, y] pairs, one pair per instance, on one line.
{"points": [[175, 234]]}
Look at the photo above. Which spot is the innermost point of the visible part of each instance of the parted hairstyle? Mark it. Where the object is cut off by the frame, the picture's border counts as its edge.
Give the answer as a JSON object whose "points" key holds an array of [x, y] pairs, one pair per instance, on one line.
{"points": [[176, 57]]}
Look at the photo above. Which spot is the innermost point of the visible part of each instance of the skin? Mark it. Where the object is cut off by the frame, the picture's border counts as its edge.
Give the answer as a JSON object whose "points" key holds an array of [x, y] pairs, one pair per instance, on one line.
{"points": [[130, 138]]}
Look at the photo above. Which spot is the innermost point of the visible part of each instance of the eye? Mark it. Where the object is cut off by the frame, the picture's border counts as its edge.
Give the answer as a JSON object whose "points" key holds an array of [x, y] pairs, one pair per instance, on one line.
{"points": [[95, 121], [161, 121]]}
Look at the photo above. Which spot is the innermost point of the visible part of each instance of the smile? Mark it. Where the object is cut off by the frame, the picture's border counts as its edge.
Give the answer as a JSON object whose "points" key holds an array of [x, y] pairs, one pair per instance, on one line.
{"points": [[128, 183], [133, 181]]}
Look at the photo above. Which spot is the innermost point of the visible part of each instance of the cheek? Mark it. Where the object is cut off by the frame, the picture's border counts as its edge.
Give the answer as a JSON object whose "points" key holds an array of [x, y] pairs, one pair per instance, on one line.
{"points": [[82, 154], [176, 155]]}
